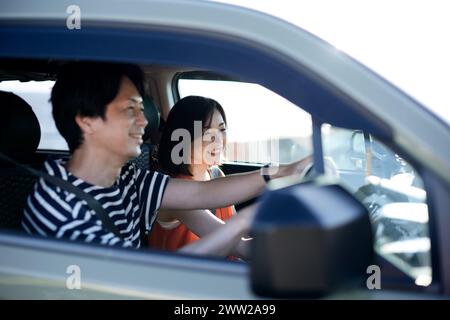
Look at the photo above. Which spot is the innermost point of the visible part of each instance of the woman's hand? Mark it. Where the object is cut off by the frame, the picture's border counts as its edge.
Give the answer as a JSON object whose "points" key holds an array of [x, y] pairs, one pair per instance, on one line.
{"points": [[223, 239], [297, 167]]}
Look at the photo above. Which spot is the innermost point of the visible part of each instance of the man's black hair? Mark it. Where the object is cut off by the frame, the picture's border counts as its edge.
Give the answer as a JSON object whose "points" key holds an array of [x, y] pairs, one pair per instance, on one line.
{"points": [[85, 89]]}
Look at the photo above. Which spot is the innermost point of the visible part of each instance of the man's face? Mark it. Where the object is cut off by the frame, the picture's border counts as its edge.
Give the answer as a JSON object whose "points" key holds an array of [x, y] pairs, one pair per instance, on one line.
{"points": [[120, 133]]}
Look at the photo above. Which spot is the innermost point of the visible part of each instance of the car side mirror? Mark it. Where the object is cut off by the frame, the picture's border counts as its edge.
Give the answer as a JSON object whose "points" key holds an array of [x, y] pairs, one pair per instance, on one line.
{"points": [[309, 239]]}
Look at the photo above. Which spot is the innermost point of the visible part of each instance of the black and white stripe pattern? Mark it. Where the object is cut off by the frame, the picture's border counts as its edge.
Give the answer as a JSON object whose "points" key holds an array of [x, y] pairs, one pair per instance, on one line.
{"points": [[53, 212]]}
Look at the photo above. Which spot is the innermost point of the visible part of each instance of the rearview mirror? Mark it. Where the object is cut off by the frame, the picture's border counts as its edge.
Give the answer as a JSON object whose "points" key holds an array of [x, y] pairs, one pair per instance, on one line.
{"points": [[309, 240]]}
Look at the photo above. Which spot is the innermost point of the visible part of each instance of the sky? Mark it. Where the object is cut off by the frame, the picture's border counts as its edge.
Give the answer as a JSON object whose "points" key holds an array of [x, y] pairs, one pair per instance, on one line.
{"points": [[405, 41]]}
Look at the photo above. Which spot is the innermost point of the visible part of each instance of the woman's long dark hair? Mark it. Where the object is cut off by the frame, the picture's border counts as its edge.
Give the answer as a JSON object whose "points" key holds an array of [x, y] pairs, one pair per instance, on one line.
{"points": [[182, 116]]}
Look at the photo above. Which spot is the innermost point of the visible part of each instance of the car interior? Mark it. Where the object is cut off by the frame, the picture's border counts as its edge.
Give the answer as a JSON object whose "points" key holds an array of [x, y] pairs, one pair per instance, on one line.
{"points": [[21, 131]]}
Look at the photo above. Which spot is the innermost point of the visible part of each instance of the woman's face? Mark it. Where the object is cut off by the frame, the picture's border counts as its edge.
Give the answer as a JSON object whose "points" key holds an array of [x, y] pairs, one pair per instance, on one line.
{"points": [[213, 141]]}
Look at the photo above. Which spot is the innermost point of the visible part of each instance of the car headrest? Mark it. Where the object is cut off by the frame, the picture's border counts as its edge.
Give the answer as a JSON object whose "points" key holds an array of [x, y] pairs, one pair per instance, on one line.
{"points": [[151, 112], [20, 132]]}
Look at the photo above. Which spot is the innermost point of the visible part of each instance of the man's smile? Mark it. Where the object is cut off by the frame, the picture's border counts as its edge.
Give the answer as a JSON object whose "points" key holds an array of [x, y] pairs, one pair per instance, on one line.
{"points": [[137, 136]]}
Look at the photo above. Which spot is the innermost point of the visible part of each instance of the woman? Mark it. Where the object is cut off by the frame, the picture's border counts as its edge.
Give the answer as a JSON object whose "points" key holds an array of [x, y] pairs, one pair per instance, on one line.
{"points": [[202, 122]]}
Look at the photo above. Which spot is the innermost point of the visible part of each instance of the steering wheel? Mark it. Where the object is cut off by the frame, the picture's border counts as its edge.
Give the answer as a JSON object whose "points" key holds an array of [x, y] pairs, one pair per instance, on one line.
{"points": [[331, 169]]}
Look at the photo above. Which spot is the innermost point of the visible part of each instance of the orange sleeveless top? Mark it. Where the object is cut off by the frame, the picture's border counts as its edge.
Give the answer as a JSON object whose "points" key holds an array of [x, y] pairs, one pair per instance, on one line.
{"points": [[175, 238]]}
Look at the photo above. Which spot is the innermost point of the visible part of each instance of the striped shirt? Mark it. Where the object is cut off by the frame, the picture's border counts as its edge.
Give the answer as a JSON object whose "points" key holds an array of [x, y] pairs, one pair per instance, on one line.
{"points": [[54, 212]]}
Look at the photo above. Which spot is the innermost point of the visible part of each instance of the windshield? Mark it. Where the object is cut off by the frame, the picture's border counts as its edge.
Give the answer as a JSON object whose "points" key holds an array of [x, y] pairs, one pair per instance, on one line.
{"points": [[403, 41]]}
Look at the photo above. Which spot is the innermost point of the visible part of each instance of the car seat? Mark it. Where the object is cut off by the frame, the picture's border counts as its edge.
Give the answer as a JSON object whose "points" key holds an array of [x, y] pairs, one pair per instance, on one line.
{"points": [[144, 161], [20, 135]]}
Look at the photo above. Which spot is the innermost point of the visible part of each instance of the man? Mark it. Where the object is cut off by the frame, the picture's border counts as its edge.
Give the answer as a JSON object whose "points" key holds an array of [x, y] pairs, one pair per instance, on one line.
{"points": [[98, 109]]}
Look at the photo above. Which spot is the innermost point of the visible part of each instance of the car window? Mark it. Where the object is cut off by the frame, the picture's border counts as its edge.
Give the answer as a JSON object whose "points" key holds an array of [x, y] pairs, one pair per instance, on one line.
{"points": [[263, 127], [392, 191], [37, 94]]}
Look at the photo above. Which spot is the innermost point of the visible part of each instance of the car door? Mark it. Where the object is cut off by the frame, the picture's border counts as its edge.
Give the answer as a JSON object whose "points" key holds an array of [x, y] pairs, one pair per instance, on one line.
{"points": [[286, 60]]}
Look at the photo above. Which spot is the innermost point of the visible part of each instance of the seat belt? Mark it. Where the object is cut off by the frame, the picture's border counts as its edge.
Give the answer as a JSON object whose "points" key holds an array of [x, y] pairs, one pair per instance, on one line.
{"points": [[66, 185]]}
